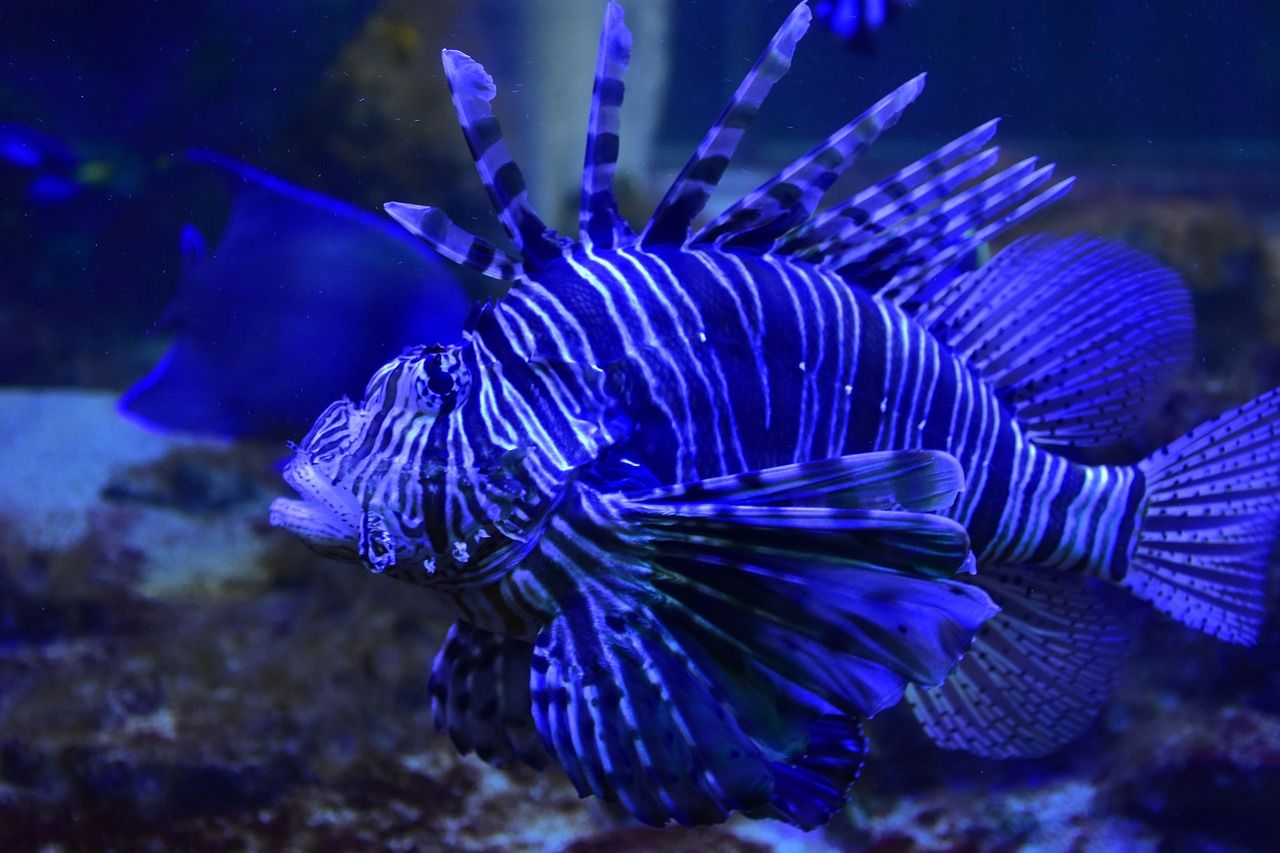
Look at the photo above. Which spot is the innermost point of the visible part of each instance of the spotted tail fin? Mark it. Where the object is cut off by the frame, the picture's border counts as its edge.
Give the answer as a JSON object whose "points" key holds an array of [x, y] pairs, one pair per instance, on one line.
{"points": [[1210, 520], [691, 189], [601, 224], [1038, 671]]}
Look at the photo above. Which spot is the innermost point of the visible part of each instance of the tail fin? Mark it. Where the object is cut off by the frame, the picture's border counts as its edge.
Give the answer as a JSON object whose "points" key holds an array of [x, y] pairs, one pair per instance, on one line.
{"points": [[1210, 521]]}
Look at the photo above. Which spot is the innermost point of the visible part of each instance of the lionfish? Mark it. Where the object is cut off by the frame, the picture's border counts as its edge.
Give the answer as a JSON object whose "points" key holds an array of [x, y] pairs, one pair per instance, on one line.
{"points": [[705, 498]]}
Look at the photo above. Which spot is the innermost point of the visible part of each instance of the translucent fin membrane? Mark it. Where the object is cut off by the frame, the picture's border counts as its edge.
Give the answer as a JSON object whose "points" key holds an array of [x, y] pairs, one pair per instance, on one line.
{"points": [[1211, 520], [1080, 337], [1039, 670]]}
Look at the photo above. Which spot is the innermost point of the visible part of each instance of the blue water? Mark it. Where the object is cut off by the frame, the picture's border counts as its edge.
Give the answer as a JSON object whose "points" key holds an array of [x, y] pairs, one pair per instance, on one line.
{"points": [[174, 673]]}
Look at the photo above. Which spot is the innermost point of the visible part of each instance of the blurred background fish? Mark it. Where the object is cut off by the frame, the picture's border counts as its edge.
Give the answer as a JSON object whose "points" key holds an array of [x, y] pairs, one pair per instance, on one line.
{"points": [[302, 297], [48, 169], [856, 22]]}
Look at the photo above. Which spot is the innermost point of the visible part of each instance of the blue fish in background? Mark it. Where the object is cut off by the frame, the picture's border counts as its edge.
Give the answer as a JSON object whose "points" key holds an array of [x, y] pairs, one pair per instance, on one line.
{"points": [[54, 172], [300, 300], [95, 99], [855, 22], [704, 498]]}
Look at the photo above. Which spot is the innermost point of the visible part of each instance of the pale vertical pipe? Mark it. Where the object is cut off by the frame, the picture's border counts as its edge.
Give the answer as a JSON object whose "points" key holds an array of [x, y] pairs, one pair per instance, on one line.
{"points": [[560, 54]]}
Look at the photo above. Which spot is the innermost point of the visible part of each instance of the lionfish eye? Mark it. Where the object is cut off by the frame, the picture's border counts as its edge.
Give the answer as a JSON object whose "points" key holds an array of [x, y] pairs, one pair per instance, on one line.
{"points": [[443, 379], [441, 384]]}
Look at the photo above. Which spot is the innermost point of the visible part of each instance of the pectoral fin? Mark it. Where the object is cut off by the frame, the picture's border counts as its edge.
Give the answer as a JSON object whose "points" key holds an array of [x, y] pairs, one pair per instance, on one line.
{"points": [[845, 596], [713, 649], [480, 695]]}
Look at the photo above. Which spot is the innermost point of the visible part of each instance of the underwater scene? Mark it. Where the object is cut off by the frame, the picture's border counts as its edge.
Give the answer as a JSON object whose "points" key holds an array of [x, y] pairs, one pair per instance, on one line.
{"points": [[844, 425]]}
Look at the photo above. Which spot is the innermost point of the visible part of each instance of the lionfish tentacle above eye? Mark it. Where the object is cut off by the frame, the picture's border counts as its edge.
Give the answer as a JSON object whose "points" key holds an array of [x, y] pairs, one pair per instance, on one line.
{"points": [[689, 193], [473, 91], [602, 226]]}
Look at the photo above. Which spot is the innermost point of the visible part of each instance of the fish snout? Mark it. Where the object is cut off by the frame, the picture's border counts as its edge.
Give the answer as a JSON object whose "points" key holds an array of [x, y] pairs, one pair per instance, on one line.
{"points": [[323, 515]]}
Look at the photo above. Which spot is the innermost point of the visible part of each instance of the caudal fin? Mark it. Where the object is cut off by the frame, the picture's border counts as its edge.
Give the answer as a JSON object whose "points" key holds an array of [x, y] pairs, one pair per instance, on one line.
{"points": [[1210, 522]]}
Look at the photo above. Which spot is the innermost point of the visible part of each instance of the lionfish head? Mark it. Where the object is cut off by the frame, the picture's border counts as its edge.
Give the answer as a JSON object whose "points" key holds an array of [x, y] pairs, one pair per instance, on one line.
{"points": [[400, 484]]}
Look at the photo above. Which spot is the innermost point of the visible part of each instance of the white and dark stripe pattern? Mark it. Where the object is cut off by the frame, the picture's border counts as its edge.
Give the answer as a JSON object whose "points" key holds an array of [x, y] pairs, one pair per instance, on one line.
{"points": [[789, 198], [804, 367], [452, 242], [473, 89], [600, 223], [616, 370], [689, 193]]}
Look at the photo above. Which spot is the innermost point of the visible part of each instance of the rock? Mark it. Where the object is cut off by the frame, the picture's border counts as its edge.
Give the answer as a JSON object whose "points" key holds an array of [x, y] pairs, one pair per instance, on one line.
{"points": [[187, 515], [60, 450], [1215, 773], [1043, 813]]}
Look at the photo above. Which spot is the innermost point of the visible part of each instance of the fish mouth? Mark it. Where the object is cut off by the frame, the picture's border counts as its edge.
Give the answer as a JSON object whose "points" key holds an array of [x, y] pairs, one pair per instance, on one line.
{"points": [[322, 515]]}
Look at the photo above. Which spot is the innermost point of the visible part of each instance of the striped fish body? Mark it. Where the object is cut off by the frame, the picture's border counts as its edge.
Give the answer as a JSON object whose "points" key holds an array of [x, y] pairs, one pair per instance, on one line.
{"points": [[706, 498], [735, 363]]}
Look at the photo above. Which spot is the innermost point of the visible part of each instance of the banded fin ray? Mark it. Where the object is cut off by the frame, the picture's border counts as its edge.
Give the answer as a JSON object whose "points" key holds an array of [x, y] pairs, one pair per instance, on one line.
{"points": [[454, 243], [920, 239], [931, 268], [866, 590], [791, 196], [1080, 337], [601, 225], [630, 718], [473, 91], [479, 690], [919, 480], [637, 713], [1038, 671], [708, 656], [688, 194], [906, 192]]}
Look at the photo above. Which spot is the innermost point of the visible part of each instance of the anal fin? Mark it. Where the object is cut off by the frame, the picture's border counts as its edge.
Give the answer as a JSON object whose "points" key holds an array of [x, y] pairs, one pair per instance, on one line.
{"points": [[1038, 672]]}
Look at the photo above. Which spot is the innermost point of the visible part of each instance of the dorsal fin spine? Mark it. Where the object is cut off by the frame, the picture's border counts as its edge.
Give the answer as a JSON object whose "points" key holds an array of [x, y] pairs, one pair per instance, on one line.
{"points": [[869, 229], [601, 225], [473, 91], [791, 196], [691, 189], [454, 243], [906, 187], [947, 257], [929, 228]]}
